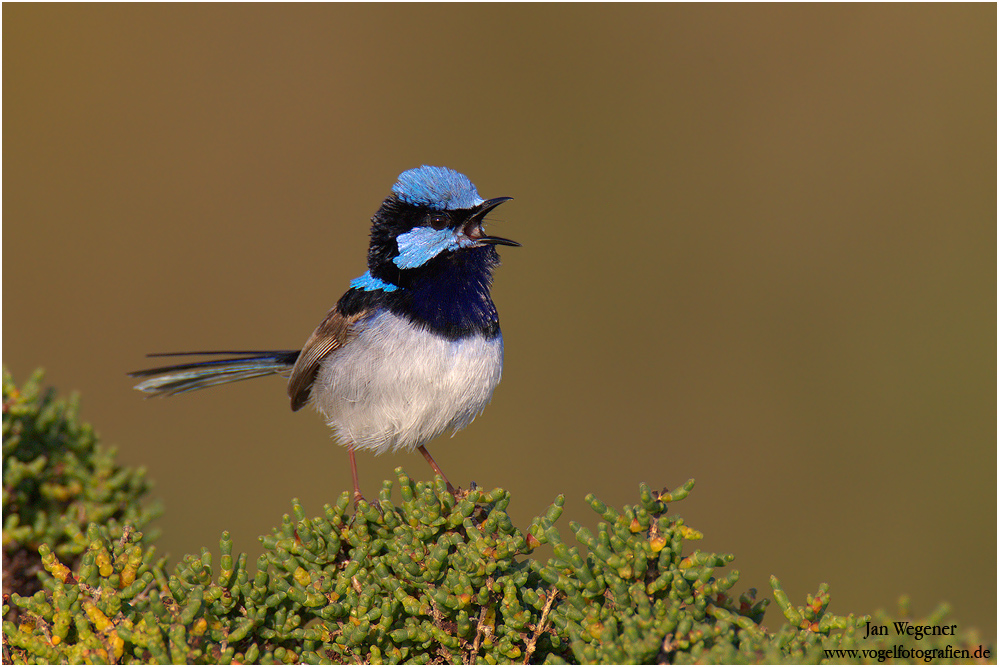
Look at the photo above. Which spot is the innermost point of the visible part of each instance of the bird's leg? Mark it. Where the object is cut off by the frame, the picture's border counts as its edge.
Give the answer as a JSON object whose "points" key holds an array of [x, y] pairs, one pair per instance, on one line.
{"points": [[353, 475], [433, 464]]}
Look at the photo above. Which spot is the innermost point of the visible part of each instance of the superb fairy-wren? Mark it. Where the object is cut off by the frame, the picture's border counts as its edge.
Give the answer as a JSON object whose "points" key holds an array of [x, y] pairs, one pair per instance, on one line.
{"points": [[412, 349]]}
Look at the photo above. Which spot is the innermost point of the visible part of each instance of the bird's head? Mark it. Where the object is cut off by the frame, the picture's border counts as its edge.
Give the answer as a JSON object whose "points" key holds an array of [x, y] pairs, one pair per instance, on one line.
{"points": [[433, 215]]}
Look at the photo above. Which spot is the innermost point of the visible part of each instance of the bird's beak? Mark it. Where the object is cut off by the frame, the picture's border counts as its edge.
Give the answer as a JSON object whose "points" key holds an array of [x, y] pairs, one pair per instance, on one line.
{"points": [[473, 228]]}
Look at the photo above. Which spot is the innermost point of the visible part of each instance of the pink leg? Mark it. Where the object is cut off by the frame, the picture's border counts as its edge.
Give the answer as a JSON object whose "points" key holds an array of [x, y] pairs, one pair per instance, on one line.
{"points": [[353, 474], [433, 464]]}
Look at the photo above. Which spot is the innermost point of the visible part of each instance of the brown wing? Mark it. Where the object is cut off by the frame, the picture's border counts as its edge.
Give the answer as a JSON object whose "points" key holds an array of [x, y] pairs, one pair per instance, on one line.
{"points": [[333, 332]]}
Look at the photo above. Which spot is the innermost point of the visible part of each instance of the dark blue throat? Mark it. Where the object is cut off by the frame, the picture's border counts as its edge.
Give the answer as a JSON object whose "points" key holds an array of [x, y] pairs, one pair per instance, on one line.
{"points": [[449, 295]]}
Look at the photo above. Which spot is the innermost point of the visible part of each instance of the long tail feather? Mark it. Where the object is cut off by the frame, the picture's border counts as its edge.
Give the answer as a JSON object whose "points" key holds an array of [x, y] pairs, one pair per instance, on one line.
{"points": [[180, 378]]}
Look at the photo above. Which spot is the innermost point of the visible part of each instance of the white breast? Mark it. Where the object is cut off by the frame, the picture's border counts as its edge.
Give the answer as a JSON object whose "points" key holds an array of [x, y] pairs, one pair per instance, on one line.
{"points": [[397, 386]]}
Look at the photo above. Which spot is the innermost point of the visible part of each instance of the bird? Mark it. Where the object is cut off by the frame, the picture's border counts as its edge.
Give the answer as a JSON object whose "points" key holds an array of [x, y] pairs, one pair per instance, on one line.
{"points": [[412, 349]]}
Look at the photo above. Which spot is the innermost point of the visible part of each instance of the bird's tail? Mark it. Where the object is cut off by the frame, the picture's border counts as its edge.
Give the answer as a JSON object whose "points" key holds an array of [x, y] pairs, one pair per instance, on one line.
{"points": [[170, 380]]}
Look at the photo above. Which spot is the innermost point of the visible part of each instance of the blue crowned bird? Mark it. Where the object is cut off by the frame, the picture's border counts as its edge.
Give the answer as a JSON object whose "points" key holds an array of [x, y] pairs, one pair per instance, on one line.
{"points": [[412, 349]]}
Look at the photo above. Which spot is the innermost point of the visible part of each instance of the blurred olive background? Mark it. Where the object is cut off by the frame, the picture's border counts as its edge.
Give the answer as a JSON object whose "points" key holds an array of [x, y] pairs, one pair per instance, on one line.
{"points": [[758, 250]]}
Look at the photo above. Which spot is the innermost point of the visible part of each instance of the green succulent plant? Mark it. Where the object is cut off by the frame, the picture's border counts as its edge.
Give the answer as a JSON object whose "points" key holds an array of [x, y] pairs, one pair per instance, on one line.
{"points": [[418, 576]]}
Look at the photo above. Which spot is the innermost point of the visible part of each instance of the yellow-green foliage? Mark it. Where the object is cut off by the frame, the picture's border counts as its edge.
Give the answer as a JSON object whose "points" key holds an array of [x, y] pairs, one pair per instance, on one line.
{"points": [[421, 577], [57, 479]]}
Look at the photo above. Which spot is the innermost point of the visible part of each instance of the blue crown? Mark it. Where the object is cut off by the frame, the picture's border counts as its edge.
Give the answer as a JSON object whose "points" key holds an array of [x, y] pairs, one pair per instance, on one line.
{"points": [[438, 188]]}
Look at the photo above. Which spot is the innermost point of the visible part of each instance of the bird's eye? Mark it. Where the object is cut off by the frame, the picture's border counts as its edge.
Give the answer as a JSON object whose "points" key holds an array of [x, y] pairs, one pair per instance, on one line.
{"points": [[438, 221]]}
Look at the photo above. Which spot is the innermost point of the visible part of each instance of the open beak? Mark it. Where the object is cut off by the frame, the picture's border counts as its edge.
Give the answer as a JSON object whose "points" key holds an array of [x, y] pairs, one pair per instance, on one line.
{"points": [[473, 228]]}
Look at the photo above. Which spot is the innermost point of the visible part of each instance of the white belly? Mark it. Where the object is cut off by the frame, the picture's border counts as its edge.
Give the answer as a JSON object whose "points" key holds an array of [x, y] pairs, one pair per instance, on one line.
{"points": [[397, 386]]}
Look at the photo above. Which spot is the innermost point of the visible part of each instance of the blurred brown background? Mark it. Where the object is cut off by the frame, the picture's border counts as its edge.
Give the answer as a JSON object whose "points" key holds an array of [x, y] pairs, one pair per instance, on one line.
{"points": [[759, 250]]}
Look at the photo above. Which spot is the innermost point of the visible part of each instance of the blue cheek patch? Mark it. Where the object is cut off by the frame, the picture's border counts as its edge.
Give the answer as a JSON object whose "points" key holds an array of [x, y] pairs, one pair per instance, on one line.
{"points": [[369, 283], [421, 244]]}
